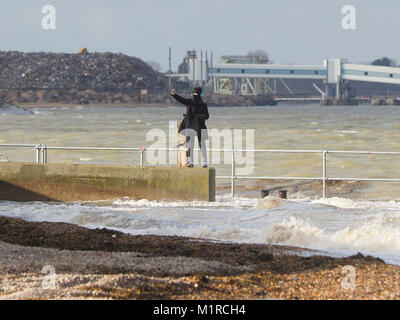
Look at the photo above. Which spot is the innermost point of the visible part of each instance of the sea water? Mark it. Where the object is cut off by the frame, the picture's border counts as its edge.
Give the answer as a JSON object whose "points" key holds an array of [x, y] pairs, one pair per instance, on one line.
{"points": [[355, 218]]}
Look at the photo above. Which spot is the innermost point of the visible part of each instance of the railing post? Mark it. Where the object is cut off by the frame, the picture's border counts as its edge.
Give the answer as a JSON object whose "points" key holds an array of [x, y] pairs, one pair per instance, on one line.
{"points": [[44, 154], [141, 156], [324, 177], [233, 174], [37, 149]]}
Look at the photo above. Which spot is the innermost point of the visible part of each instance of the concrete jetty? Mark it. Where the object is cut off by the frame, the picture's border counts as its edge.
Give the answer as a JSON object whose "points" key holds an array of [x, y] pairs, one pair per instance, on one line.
{"points": [[20, 181]]}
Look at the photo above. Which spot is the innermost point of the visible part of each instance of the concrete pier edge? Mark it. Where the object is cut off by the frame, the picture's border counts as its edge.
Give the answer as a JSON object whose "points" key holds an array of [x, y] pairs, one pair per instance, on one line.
{"points": [[21, 181]]}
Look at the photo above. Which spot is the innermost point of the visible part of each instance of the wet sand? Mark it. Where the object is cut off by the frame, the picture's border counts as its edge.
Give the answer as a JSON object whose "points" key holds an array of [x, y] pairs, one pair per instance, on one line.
{"points": [[104, 264]]}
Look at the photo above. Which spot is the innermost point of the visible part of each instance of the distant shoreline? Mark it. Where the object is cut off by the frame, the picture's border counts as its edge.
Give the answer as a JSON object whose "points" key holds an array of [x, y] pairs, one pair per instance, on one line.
{"points": [[30, 105]]}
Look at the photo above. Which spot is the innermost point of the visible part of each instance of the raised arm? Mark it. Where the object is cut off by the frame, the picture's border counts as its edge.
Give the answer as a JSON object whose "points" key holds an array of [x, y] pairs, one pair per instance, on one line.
{"points": [[180, 99]]}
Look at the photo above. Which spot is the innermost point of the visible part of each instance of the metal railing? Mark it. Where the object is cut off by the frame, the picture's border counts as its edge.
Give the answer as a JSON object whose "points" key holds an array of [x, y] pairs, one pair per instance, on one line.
{"points": [[324, 177], [41, 151]]}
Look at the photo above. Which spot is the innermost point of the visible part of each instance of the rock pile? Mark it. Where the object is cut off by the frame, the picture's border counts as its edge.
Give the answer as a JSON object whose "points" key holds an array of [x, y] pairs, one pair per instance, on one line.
{"points": [[93, 78], [97, 71]]}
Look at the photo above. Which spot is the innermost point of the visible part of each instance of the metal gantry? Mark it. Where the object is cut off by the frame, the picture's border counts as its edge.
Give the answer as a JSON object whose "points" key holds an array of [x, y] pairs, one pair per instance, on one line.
{"points": [[260, 78]]}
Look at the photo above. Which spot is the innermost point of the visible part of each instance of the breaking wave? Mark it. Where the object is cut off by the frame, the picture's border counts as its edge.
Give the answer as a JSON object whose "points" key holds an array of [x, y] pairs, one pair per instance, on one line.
{"points": [[333, 226]]}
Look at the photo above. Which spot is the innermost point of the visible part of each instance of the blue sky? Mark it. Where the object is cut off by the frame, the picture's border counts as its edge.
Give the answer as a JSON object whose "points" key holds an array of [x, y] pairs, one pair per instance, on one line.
{"points": [[291, 31]]}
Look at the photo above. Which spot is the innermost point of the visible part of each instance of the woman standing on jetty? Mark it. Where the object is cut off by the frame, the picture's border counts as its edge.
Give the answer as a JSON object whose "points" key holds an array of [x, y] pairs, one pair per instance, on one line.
{"points": [[194, 123]]}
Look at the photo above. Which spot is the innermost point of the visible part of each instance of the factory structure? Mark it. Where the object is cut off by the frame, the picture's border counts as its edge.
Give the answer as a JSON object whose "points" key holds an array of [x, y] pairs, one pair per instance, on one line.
{"points": [[255, 75], [198, 71]]}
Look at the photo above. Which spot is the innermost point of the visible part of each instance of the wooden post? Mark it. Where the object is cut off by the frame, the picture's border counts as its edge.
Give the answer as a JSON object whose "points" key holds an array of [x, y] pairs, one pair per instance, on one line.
{"points": [[143, 94], [264, 193]]}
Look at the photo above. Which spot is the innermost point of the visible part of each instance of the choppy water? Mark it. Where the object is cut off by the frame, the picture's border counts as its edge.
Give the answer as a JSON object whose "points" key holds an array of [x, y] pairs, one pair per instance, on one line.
{"points": [[365, 219]]}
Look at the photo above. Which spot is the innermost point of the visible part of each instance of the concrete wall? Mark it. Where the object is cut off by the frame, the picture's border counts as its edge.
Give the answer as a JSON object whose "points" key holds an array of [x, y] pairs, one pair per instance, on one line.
{"points": [[82, 182]]}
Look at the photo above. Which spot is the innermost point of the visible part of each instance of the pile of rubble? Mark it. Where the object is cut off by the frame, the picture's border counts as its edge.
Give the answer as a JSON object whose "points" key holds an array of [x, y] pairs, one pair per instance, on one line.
{"points": [[97, 71]]}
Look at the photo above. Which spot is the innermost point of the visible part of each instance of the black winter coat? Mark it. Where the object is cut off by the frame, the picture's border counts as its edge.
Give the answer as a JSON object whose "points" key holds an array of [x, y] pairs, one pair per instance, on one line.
{"points": [[196, 113]]}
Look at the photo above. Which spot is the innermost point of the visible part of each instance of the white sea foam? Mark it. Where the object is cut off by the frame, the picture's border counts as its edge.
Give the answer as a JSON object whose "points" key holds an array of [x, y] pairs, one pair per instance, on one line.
{"points": [[40, 112], [359, 204], [335, 226], [222, 201], [346, 131], [370, 238]]}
